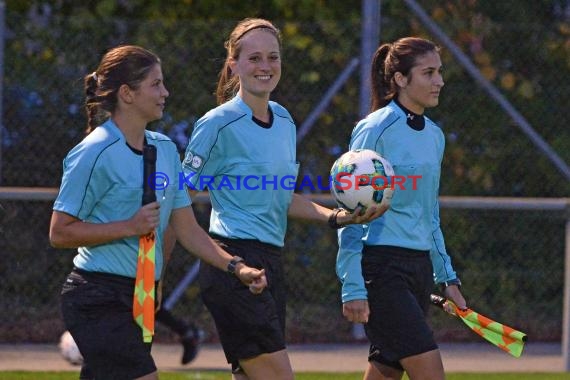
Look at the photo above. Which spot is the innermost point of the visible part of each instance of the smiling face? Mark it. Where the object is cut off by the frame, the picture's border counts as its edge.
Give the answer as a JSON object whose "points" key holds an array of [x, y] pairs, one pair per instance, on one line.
{"points": [[150, 97], [421, 87], [258, 65]]}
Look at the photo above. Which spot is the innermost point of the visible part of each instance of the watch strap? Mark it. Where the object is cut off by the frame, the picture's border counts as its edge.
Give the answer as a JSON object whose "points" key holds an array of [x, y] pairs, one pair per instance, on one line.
{"points": [[233, 263], [455, 281]]}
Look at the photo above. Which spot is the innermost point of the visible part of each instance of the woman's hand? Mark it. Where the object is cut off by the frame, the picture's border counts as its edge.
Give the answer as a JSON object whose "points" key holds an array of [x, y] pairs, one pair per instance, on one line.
{"points": [[356, 311], [254, 278], [344, 217], [453, 293], [146, 219]]}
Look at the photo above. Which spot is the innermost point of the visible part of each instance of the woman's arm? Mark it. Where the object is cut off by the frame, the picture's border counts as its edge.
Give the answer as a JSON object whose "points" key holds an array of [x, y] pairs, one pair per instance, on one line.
{"points": [[67, 231], [168, 243], [303, 208], [194, 239]]}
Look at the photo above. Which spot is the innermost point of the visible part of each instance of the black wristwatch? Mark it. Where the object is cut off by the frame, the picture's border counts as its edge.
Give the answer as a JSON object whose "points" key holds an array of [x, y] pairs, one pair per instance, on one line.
{"points": [[455, 281], [333, 223], [233, 263]]}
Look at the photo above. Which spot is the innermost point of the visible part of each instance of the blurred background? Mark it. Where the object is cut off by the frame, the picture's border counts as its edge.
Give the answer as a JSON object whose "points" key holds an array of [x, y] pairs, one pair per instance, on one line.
{"points": [[504, 111]]}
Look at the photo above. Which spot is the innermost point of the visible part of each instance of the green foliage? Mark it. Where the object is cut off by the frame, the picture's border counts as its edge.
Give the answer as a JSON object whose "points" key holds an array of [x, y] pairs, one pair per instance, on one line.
{"points": [[298, 10], [56, 44]]}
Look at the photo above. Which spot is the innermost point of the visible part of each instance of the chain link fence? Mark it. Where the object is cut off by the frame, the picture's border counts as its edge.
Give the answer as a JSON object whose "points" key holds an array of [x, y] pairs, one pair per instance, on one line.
{"points": [[511, 262]]}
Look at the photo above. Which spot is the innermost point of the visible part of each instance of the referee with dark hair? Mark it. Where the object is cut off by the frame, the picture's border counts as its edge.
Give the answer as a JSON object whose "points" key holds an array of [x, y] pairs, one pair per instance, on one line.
{"points": [[388, 267]]}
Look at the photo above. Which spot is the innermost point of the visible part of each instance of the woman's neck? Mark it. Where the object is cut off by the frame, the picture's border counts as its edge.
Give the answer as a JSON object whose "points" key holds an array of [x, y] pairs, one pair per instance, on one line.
{"points": [[132, 130], [414, 120], [259, 106], [410, 105]]}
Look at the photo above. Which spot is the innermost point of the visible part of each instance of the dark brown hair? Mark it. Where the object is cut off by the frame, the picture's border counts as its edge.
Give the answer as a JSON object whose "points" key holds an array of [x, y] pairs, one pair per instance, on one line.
{"points": [[390, 58], [127, 64], [228, 85]]}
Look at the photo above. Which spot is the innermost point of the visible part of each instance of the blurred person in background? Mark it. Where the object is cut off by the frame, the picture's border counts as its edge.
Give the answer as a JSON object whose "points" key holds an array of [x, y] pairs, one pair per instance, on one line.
{"points": [[189, 334], [98, 210], [387, 267]]}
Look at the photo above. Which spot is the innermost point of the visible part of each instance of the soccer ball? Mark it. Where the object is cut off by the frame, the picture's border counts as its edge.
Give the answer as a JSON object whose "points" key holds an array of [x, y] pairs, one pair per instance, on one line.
{"points": [[69, 349], [362, 178]]}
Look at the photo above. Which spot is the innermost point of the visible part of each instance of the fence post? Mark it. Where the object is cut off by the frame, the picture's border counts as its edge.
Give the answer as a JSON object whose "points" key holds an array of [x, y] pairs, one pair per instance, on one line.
{"points": [[2, 37], [370, 37], [566, 302]]}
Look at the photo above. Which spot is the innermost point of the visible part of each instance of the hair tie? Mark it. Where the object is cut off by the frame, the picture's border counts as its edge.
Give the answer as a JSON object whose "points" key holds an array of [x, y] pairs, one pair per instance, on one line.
{"points": [[94, 75]]}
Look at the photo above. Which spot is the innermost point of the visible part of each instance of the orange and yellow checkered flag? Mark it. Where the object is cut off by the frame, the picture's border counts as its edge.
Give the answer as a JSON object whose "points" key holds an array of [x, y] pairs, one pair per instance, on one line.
{"points": [[506, 338], [143, 298]]}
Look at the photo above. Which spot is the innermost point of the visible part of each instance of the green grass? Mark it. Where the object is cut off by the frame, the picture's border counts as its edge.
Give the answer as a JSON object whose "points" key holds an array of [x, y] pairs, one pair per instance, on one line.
{"points": [[217, 375]]}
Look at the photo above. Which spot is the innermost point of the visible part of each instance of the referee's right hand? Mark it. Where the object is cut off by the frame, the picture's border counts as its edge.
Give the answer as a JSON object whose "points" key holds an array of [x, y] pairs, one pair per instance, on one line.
{"points": [[146, 219]]}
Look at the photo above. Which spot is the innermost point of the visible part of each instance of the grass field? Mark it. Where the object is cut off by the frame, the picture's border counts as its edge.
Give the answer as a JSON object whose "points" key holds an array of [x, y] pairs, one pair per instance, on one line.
{"points": [[216, 375]]}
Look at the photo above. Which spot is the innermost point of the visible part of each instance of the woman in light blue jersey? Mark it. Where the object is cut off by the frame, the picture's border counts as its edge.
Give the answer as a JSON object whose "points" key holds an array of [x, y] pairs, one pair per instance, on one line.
{"points": [[388, 267], [244, 152], [98, 210]]}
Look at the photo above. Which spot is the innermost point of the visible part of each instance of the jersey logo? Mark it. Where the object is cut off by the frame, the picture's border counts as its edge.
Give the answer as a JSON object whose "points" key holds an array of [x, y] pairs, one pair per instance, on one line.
{"points": [[192, 161]]}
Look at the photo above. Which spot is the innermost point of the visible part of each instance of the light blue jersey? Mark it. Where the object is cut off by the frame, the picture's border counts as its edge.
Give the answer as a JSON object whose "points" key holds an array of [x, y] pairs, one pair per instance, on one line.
{"points": [[250, 171], [413, 218], [102, 183]]}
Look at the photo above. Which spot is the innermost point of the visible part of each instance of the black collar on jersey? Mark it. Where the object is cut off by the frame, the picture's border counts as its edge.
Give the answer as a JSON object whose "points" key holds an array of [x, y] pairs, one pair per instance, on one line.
{"points": [[414, 120], [136, 151], [263, 124]]}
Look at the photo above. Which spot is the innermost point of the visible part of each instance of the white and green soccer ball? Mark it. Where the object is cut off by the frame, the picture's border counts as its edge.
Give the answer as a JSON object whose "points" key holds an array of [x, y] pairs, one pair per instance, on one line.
{"points": [[362, 178]]}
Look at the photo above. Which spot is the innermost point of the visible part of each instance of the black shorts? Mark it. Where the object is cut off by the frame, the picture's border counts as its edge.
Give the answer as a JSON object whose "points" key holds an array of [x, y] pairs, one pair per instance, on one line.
{"points": [[97, 310], [248, 324], [399, 282]]}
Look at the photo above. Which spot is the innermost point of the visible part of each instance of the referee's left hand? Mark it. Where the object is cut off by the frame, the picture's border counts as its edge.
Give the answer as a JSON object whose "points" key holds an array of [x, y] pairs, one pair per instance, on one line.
{"points": [[453, 293], [254, 278], [356, 311]]}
